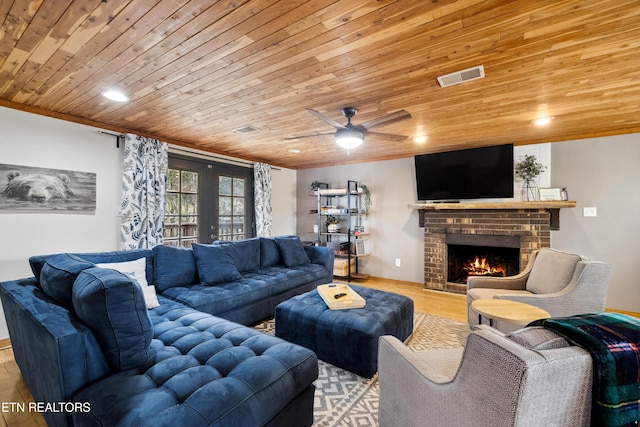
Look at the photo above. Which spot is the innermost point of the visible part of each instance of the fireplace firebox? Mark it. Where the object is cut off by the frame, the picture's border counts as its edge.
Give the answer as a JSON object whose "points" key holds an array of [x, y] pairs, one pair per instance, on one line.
{"points": [[464, 261], [481, 255]]}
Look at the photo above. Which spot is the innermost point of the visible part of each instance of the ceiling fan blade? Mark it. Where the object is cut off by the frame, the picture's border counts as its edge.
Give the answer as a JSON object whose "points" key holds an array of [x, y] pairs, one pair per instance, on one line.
{"points": [[291, 138], [386, 120], [387, 136], [325, 119]]}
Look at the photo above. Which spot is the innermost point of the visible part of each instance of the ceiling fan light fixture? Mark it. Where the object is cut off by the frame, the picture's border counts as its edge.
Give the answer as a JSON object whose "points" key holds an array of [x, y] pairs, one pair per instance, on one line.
{"points": [[349, 138]]}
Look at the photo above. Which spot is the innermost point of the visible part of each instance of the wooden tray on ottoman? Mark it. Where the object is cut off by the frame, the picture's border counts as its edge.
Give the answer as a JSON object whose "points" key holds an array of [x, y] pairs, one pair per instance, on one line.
{"points": [[351, 299]]}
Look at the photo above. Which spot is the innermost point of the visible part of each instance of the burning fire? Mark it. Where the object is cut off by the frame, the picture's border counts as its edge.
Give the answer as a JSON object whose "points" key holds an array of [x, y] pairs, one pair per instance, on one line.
{"points": [[481, 267]]}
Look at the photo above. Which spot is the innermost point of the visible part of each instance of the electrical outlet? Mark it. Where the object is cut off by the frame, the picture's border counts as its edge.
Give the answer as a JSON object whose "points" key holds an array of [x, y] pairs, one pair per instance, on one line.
{"points": [[397, 262], [590, 211]]}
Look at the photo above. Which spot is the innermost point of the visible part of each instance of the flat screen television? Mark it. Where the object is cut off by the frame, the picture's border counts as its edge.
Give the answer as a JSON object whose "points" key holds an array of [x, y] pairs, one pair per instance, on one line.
{"points": [[475, 173]]}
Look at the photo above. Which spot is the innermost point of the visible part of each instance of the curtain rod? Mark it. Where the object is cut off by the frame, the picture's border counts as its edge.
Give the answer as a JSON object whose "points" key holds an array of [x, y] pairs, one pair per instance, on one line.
{"points": [[117, 135], [177, 148], [213, 156]]}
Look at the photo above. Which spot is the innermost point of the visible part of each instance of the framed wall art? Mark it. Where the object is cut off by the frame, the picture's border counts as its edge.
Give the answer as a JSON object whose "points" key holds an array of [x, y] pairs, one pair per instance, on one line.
{"points": [[360, 247], [27, 187]]}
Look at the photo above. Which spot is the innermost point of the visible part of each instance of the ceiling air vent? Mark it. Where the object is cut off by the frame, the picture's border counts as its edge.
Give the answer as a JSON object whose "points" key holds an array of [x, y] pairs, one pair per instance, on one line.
{"points": [[461, 76], [245, 129]]}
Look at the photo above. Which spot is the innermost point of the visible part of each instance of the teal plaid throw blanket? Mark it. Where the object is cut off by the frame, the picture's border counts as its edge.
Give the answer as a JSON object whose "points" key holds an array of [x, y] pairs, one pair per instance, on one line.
{"points": [[613, 340]]}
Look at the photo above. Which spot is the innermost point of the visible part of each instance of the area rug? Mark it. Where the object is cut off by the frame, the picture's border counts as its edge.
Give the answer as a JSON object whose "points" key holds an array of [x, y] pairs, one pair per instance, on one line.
{"points": [[343, 399]]}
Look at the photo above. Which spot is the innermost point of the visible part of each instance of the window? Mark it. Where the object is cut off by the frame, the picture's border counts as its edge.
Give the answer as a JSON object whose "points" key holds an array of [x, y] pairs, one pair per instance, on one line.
{"points": [[181, 211], [232, 212]]}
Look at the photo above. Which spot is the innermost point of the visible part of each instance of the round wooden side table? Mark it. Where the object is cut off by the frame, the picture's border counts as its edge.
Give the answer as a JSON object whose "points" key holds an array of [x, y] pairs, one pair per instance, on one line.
{"points": [[514, 312]]}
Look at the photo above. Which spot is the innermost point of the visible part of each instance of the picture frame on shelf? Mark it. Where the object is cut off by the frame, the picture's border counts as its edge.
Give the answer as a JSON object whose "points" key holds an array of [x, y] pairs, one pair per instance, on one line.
{"points": [[360, 247], [550, 194]]}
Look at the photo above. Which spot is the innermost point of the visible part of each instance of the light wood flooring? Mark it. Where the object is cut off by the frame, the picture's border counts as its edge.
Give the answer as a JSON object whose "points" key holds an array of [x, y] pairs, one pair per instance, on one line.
{"points": [[13, 390]]}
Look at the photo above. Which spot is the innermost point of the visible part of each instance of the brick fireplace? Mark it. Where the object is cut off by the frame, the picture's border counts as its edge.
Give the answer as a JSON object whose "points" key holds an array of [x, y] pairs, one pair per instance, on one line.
{"points": [[524, 225]]}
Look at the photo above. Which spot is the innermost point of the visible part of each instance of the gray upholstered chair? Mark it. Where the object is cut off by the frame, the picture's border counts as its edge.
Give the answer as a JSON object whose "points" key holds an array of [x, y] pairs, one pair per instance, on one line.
{"points": [[561, 283], [531, 377]]}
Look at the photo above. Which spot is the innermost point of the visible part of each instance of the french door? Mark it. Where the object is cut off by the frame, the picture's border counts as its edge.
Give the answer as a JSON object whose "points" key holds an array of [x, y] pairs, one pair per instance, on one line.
{"points": [[207, 201]]}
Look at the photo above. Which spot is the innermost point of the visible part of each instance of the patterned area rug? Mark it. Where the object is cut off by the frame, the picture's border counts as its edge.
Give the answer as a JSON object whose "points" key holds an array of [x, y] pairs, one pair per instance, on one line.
{"points": [[343, 399]]}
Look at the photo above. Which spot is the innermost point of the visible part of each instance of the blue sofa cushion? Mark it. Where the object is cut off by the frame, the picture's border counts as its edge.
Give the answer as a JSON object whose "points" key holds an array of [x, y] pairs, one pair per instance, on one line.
{"points": [[215, 264], [269, 252], [58, 274], [256, 287], [206, 371], [113, 306], [246, 254], [293, 253], [37, 262], [174, 266]]}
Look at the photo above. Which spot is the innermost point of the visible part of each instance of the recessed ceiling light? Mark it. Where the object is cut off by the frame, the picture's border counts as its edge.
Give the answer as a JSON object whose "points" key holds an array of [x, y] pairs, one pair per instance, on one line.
{"points": [[294, 151], [115, 95], [420, 139], [543, 121]]}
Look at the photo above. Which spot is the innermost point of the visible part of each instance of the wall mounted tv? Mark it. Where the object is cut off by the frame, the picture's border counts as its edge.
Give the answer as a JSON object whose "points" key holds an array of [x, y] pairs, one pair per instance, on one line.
{"points": [[476, 173]]}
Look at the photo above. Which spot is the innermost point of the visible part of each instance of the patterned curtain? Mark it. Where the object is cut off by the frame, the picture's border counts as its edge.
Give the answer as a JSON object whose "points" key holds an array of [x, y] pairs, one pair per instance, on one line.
{"points": [[143, 192], [262, 196]]}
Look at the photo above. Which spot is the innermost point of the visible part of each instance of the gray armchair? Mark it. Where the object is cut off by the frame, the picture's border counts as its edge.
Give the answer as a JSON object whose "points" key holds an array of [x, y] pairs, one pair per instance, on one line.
{"points": [[561, 283], [531, 377]]}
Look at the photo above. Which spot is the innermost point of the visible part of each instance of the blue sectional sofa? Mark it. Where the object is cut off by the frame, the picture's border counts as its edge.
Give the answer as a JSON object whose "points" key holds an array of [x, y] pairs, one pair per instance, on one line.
{"points": [[94, 353]]}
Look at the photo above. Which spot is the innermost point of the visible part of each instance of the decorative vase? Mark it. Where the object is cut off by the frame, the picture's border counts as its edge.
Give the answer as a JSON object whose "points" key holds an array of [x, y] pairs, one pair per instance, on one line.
{"points": [[529, 191]]}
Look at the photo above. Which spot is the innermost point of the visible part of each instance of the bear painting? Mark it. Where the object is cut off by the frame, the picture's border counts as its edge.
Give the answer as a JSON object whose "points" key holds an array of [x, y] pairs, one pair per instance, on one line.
{"points": [[37, 188]]}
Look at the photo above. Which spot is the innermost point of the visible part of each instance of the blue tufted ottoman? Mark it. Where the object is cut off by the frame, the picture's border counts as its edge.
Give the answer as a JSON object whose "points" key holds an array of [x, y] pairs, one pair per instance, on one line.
{"points": [[345, 338]]}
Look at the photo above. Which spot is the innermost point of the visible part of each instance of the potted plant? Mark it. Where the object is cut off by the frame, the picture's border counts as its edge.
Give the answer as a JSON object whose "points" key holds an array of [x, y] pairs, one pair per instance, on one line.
{"points": [[528, 170], [315, 186], [333, 224]]}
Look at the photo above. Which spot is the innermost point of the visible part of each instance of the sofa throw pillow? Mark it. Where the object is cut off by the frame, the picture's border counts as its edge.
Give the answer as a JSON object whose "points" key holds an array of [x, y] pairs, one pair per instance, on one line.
{"points": [[37, 262], [215, 264], [293, 253], [113, 307], [552, 271], [246, 254], [174, 266], [269, 252], [137, 270], [58, 274]]}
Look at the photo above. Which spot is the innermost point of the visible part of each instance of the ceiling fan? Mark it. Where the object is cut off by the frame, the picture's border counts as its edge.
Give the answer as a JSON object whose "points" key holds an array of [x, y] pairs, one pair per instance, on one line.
{"points": [[350, 135]]}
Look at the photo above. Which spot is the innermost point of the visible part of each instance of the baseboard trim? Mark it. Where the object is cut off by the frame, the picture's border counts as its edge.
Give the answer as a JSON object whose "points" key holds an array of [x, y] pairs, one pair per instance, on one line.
{"points": [[5, 343], [402, 282]]}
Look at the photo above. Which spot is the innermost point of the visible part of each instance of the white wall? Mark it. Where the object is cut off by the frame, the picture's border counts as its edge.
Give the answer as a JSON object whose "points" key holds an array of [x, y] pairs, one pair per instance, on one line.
{"points": [[603, 173], [32, 140], [392, 225], [599, 172], [283, 201]]}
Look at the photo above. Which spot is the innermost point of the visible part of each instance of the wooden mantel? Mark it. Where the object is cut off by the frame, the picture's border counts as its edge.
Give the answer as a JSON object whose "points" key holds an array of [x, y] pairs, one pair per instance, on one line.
{"points": [[553, 206], [497, 205]]}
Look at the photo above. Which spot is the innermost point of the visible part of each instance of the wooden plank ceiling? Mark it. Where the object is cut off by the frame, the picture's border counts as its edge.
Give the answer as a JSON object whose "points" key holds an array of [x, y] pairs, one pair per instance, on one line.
{"points": [[196, 70]]}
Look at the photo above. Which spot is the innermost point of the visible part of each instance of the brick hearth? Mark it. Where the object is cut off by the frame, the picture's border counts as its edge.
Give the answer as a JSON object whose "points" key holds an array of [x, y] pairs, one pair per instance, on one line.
{"points": [[531, 225]]}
